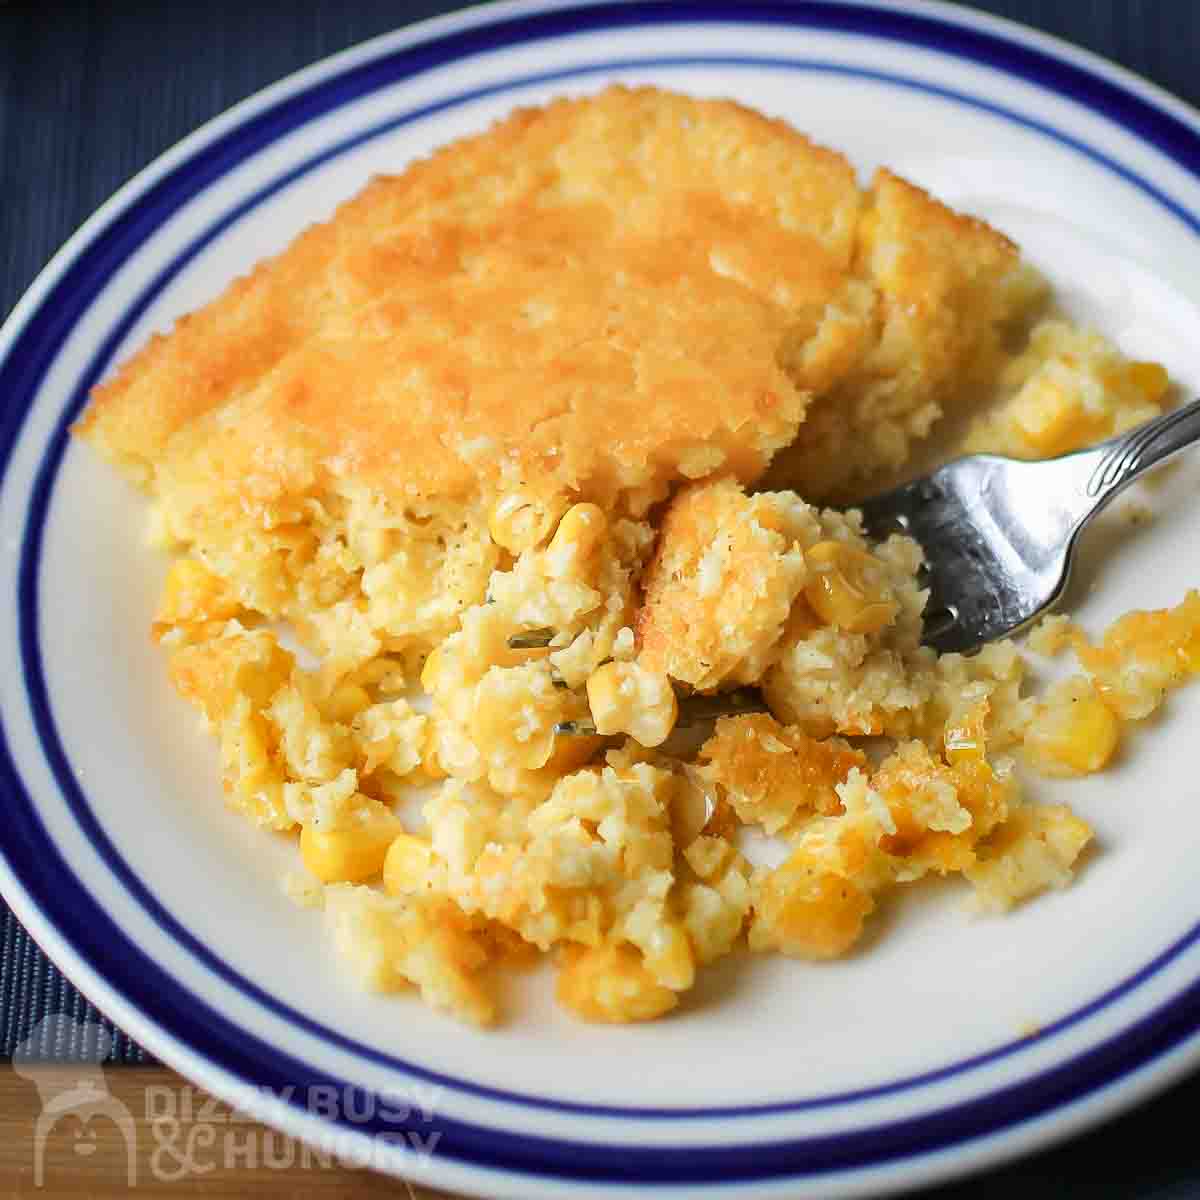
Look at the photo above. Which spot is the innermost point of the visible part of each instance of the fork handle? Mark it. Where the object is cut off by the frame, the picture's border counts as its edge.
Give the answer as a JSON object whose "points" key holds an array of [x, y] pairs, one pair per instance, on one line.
{"points": [[1126, 457]]}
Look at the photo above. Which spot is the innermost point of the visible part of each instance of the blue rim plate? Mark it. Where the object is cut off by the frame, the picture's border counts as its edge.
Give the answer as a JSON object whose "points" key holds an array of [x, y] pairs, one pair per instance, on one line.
{"points": [[1008, 105]]}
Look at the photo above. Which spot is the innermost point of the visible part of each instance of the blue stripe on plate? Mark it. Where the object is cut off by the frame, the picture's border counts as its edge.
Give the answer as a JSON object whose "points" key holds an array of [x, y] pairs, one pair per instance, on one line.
{"points": [[95, 937]]}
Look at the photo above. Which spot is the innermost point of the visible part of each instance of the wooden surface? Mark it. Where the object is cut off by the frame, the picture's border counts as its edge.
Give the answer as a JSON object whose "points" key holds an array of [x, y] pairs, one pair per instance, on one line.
{"points": [[90, 92], [184, 1143]]}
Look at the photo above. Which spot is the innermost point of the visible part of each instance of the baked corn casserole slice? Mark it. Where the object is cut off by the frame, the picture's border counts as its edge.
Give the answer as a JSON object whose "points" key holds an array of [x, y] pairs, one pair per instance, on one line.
{"points": [[529, 384]]}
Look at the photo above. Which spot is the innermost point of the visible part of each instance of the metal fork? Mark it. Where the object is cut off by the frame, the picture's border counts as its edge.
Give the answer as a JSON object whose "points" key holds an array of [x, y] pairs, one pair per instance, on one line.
{"points": [[998, 536]]}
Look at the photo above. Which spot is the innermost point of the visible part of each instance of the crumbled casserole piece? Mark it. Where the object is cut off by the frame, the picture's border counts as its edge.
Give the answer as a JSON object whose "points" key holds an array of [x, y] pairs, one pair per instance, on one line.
{"points": [[525, 388], [1071, 387]]}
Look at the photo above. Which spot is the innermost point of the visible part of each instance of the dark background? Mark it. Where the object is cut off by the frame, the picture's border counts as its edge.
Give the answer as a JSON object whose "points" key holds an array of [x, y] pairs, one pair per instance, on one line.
{"points": [[91, 93]]}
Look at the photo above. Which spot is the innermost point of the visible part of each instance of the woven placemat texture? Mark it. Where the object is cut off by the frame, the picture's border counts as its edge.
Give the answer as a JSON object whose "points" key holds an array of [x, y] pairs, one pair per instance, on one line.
{"points": [[43, 1017]]}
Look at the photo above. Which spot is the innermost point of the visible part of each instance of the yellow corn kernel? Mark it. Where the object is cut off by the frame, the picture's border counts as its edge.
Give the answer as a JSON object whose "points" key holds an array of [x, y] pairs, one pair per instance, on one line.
{"points": [[406, 865], [348, 855], [1150, 378], [431, 669], [1051, 420], [612, 984], [577, 538], [846, 588], [692, 805], [519, 521], [626, 698], [345, 702], [430, 763], [671, 959], [1074, 731], [571, 753]]}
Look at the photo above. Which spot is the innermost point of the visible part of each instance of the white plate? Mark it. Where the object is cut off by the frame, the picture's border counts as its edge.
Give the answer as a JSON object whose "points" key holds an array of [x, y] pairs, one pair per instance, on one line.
{"points": [[911, 1061]]}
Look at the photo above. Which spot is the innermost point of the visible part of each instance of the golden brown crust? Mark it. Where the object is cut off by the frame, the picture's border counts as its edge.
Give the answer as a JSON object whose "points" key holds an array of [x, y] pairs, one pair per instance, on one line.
{"points": [[774, 774], [941, 284], [719, 587], [586, 295]]}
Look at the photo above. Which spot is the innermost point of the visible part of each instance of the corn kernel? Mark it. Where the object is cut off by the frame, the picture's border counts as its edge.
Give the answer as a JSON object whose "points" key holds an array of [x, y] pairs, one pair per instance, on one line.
{"points": [[1051, 420], [345, 703], [430, 763], [431, 669], [612, 984], [1150, 378], [579, 534], [1074, 732], [513, 713], [626, 698], [520, 521], [670, 959], [406, 865], [692, 804], [846, 588], [348, 855], [571, 753]]}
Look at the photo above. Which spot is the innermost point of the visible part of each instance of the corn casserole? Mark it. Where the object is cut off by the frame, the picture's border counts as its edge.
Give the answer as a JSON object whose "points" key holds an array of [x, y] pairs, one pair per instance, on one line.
{"points": [[535, 382]]}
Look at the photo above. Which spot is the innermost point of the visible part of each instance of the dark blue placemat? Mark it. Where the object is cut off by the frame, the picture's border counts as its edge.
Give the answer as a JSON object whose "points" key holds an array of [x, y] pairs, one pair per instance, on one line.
{"points": [[73, 128], [43, 1017]]}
